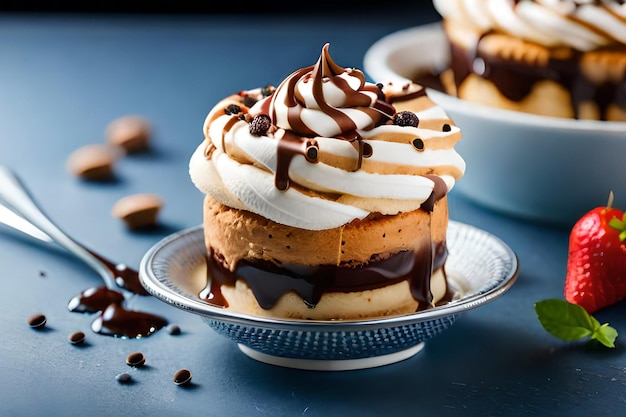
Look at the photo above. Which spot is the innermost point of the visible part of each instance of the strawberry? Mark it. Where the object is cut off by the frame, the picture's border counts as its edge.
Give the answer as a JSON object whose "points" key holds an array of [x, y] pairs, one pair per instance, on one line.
{"points": [[596, 264]]}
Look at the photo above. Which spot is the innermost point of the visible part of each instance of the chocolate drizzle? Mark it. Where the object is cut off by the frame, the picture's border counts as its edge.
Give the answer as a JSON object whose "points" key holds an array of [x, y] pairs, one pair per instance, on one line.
{"points": [[269, 282], [125, 277], [297, 140], [439, 191], [289, 146]]}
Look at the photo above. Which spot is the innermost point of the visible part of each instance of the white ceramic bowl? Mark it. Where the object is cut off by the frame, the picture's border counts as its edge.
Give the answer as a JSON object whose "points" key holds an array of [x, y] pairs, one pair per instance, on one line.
{"points": [[534, 167]]}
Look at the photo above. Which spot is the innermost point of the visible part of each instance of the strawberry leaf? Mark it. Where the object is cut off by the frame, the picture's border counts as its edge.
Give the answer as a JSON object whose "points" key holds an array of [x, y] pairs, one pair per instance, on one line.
{"points": [[620, 226], [570, 322], [606, 335]]}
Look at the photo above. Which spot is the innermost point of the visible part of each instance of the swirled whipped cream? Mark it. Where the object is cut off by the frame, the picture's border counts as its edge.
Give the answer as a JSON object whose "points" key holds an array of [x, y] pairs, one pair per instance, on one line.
{"points": [[583, 25], [326, 147]]}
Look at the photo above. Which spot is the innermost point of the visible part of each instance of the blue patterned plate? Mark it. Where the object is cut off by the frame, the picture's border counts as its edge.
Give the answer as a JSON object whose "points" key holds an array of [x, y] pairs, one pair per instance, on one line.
{"points": [[480, 266]]}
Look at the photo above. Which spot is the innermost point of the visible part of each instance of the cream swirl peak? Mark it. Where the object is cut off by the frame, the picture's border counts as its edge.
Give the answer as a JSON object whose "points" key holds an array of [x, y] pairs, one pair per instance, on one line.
{"points": [[327, 100], [325, 148], [580, 24]]}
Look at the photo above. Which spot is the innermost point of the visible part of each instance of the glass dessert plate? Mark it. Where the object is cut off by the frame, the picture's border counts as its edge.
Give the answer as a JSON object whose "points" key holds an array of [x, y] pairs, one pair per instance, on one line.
{"points": [[480, 266]]}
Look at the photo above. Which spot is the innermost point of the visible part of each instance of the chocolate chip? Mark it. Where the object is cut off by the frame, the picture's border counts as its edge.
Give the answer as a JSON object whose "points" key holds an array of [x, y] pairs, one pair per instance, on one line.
{"points": [[268, 90], [260, 124], [182, 376], [311, 154], [406, 118], [135, 359], [232, 109], [37, 321], [248, 100], [446, 128], [418, 144], [123, 378], [173, 329], [379, 92], [76, 338]]}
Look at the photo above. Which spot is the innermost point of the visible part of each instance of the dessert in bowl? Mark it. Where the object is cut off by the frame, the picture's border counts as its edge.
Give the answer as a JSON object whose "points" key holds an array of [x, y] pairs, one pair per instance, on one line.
{"points": [[326, 197], [534, 166], [562, 58], [480, 266], [325, 232]]}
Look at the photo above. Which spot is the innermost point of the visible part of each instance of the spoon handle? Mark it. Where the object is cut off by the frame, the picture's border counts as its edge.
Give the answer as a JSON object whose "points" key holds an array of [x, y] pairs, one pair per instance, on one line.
{"points": [[22, 213], [9, 218]]}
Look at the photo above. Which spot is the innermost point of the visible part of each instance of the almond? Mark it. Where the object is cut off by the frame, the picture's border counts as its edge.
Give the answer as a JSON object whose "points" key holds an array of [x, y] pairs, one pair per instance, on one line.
{"points": [[138, 210]]}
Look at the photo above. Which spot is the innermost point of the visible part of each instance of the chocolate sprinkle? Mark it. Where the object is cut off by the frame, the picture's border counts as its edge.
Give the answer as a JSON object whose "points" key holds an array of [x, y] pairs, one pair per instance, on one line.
{"points": [[123, 378], [76, 338], [182, 377], [135, 359], [37, 321], [232, 109]]}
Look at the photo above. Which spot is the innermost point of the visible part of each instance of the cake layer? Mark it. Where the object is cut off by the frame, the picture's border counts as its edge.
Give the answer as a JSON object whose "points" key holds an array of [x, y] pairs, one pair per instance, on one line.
{"points": [[254, 262], [234, 235], [390, 300]]}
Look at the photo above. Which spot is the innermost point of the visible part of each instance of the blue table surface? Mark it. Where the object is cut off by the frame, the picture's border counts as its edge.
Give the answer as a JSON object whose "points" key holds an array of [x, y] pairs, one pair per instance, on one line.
{"points": [[63, 78]]}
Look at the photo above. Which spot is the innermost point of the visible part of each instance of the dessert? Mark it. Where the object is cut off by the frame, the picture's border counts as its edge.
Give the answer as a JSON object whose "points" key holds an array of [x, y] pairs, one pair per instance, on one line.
{"points": [[326, 197], [548, 57]]}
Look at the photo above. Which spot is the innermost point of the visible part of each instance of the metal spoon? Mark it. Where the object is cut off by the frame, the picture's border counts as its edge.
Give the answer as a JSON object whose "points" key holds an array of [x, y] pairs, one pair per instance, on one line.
{"points": [[19, 211]]}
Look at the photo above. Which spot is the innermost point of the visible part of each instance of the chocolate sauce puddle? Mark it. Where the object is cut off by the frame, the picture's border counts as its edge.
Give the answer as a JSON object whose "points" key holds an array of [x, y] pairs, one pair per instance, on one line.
{"points": [[113, 318], [117, 321]]}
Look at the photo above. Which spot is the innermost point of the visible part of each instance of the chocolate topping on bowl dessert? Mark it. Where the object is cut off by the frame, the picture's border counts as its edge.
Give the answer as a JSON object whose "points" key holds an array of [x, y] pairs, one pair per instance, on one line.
{"points": [[557, 58], [326, 197]]}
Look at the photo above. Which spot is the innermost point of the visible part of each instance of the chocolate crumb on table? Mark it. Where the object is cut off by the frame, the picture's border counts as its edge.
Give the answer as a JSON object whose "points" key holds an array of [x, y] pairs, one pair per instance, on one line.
{"points": [[37, 321]]}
